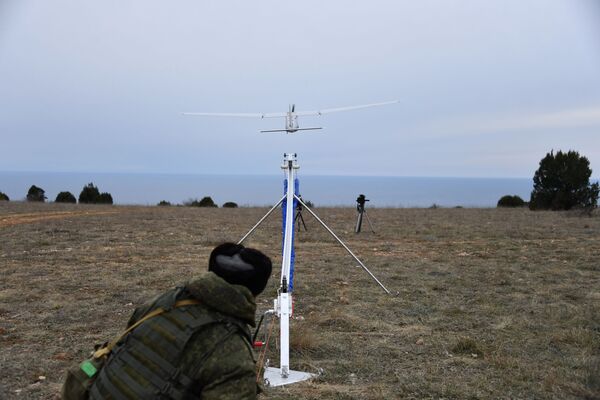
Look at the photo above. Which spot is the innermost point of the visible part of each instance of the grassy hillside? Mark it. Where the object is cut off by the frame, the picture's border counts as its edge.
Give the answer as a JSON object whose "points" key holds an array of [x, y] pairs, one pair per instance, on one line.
{"points": [[491, 303]]}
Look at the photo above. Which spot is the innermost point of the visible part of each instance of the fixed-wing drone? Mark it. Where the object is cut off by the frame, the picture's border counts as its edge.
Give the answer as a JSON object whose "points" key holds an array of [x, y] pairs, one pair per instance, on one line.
{"points": [[291, 117]]}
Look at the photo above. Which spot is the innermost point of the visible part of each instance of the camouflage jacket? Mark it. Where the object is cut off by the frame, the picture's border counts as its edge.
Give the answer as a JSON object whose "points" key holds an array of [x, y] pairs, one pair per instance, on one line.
{"points": [[218, 357]]}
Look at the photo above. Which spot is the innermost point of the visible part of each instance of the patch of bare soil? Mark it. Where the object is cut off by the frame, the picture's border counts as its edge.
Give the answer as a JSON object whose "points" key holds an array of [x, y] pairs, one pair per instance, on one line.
{"points": [[25, 218], [491, 303]]}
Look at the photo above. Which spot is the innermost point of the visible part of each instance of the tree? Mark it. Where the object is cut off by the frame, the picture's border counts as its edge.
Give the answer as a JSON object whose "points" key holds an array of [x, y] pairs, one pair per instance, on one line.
{"points": [[89, 194], [65, 197], [104, 198], [562, 182], [230, 204], [511, 201], [205, 202], [4, 197], [164, 203], [36, 194]]}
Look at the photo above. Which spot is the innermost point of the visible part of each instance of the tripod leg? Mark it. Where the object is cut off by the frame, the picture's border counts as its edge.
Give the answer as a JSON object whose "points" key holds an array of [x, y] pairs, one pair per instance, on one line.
{"points": [[369, 221], [343, 245], [358, 222], [303, 224], [261, 220], [298, 215]]}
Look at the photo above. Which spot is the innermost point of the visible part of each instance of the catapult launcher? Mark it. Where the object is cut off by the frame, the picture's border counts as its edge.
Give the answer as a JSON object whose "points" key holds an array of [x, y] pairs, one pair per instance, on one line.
{"points": [[282, 305]]}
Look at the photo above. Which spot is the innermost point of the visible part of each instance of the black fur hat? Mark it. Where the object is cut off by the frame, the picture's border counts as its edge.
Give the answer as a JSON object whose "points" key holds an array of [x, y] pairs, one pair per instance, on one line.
{"points": [[239, 265]]}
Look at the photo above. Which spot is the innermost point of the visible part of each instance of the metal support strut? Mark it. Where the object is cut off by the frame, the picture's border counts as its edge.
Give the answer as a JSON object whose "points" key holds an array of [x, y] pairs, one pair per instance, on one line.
{"points": [[283, 303], [343, 245]]}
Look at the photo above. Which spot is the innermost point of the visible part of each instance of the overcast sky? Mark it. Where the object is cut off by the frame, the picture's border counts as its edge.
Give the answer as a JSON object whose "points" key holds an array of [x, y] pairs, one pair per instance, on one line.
{"points": [[486, 87]]}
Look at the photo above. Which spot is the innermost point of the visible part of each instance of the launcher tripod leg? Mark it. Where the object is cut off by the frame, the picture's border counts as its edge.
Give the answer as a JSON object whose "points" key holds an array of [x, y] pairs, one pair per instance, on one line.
{"points": [[343, 245], [261, 220]]}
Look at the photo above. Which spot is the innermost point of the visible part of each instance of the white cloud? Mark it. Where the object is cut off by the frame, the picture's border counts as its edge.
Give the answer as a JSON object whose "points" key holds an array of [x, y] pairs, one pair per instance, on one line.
{"points": [[583, 117]]}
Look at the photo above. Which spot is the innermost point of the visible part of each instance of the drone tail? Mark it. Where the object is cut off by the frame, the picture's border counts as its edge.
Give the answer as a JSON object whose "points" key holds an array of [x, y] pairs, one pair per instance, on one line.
{"points": [[289, 130]]}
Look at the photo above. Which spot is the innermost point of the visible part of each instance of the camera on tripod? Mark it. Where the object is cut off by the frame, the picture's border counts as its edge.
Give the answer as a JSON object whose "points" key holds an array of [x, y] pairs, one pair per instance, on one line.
{"points": [[360, 207], [360, 200]]}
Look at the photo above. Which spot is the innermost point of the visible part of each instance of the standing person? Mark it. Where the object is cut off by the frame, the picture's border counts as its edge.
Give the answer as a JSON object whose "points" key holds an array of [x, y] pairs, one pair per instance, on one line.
{"points": [[195, 351]]}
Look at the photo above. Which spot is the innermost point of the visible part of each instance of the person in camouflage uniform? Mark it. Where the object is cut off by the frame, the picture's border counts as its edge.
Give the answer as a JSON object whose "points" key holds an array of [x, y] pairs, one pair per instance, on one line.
{"points": [[197, 351]]}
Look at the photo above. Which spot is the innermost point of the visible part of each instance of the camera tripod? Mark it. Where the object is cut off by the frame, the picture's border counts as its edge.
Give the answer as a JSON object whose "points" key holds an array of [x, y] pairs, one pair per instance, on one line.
{"points": [[360, 207], [299, 217]]}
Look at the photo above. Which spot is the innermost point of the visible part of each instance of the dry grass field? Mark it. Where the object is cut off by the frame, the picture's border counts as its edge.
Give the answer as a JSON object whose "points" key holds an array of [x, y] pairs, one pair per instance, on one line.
{"points": [[491, 304]]}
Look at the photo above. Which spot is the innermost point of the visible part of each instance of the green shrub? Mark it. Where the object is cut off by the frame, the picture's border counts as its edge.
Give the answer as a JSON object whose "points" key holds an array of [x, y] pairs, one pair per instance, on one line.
{"points": [[65, 197], [4, 197], [562, 182], [511, 201], [91, 195], [230, 204], [205, 202], [104, 198], [36, 194], [163, 203]]}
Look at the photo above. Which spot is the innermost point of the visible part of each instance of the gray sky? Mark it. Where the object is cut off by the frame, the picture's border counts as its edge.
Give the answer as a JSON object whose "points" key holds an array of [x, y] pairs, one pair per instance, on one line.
{"points": [[486, 87]]}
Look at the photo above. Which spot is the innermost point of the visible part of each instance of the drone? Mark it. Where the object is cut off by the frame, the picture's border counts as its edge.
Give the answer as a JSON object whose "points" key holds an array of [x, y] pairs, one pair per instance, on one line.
{"points": [[291, 116]]}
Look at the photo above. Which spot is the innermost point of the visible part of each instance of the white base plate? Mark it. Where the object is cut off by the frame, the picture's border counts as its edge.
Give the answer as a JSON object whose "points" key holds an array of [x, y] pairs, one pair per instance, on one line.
{"points": [[273, 377]]}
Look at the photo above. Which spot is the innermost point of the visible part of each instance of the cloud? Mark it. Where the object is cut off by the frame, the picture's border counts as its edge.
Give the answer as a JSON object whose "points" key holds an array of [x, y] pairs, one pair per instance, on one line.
{"points": [[583, 117]]}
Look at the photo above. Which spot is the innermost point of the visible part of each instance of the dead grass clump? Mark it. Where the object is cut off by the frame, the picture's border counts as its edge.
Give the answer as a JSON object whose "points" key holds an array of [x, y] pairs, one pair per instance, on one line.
{"points": [[466, 345], [340, 321], [303, 338], [579, 337], [592, 379]]}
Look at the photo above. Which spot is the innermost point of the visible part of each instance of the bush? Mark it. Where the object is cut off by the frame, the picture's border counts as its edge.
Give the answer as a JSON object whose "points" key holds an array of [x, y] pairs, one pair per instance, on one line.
{"points": [[104, 198], [89, 194], [36, 194], [230, 204], [511, 201], [205, 202], [65, 197], [4, 197], [562, 182], [163, 203]]}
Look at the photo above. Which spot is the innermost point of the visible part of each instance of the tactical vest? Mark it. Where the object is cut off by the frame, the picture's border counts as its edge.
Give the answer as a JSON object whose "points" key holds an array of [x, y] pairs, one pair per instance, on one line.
{"points": [[145, 364]]}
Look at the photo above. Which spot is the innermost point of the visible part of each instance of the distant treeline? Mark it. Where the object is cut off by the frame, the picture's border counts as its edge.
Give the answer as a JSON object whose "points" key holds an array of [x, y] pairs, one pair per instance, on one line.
{"points": [[89, 195], [206, 201], [562, 182]]}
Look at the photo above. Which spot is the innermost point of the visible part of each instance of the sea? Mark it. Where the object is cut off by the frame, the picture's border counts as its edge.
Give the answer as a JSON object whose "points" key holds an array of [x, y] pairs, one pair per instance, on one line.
{"points": [[266, 190]]}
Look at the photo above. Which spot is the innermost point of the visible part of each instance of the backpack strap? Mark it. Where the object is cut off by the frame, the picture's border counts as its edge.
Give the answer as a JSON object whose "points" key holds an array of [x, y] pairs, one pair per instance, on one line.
{"points": [[108, 348]]}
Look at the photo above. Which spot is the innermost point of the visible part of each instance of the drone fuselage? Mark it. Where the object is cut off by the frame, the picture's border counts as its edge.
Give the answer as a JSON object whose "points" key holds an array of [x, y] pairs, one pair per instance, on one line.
{"points": [[291, 122]]}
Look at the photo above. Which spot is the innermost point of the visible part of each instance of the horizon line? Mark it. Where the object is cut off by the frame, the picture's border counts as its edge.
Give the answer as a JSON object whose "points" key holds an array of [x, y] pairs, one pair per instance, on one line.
{"points": [[264, 174]]}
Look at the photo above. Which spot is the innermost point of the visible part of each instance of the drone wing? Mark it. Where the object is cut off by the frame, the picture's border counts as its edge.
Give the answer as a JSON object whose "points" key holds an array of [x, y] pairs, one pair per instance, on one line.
{"points": [[332, 110], [241, 115]]}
